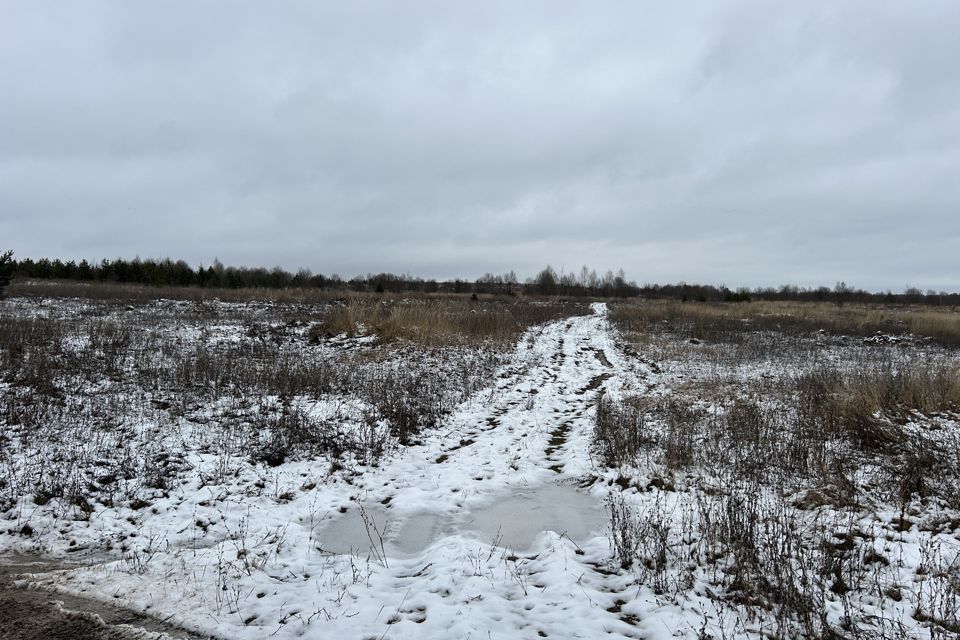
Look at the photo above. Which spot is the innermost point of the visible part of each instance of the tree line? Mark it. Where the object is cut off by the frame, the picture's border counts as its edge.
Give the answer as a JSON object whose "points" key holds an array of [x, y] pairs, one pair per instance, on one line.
{"points": [[167, 272], [583, 283]]}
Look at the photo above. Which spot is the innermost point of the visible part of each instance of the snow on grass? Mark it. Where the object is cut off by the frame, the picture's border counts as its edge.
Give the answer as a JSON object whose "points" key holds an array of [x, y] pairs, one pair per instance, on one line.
{"points": [[496, 522], [243, 553]]}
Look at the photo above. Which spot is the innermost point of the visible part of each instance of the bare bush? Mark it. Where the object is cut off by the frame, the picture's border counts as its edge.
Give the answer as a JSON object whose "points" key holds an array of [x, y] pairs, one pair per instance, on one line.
{"points": [[624, 531], [618, 431]]}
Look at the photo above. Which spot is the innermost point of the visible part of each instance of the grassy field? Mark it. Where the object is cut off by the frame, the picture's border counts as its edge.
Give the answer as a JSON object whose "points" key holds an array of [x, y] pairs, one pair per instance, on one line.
{"points": [[816, 452], [768, 469], [730, 322], [280, 378]]}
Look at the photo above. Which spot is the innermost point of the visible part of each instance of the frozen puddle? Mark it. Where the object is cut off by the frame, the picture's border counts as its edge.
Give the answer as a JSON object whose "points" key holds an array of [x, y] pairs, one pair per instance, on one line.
{"points": [[516, 520], [362, 532], [512, 521]]}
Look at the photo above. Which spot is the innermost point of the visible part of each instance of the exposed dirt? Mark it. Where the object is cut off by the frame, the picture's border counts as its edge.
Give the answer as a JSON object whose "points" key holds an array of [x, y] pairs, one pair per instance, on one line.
{"points": [[595, 382], [38, 614], [601, 356]]}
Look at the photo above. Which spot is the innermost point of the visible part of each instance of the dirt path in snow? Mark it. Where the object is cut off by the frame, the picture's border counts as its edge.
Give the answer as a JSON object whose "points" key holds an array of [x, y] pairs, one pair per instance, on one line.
{"points": [[517, 441], [532, 428], [520, 453]]}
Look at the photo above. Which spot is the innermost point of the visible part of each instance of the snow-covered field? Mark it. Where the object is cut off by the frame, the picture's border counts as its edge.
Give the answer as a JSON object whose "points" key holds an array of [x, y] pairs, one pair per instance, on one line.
{"points": [[500, 520]]}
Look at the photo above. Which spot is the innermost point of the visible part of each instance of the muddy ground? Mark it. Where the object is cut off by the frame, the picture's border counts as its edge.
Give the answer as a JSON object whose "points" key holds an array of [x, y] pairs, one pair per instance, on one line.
{"points": [[39, 614]]}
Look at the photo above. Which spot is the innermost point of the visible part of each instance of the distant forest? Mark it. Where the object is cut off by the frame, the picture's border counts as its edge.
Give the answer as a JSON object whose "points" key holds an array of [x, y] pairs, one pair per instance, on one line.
{"points": [[582, 283]]}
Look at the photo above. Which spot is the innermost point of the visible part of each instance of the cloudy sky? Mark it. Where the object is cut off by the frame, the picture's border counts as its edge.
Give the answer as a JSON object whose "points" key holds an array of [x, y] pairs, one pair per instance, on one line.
{"points": [[744, 143]]}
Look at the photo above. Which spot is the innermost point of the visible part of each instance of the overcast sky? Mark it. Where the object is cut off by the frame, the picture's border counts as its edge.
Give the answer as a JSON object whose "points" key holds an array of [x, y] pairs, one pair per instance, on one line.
{"points": [[738, 143]]}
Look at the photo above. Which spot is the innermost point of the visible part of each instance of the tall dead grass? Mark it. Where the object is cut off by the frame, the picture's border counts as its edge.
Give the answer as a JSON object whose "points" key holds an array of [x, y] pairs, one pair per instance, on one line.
{"points": [[803, 430], [726, 322], [441, 322], [789, 441], [84, 383]]}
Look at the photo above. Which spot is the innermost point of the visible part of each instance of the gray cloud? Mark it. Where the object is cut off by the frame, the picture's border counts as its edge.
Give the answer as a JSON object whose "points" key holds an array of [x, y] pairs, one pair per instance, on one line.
{"points": [[746, 143]]}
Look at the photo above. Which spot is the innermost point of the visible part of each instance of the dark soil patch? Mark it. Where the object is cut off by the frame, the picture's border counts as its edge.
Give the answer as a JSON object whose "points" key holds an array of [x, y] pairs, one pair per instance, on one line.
{"points": [[37, 614], [558, 438], [601, 356], [595, 382]]}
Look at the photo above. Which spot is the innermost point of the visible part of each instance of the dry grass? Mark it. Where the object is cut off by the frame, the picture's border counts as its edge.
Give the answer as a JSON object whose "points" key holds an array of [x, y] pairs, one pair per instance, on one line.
{"points": [[85, 382], [924, 387], [791, 405], [784, 495], [618, 434], [867, 406], [724, 322], [943, 326], [429, 319], [437, 322]]}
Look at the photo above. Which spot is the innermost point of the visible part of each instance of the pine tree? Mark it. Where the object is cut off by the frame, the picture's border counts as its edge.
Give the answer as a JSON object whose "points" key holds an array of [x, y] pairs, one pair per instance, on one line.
{"points": [[7, 267]]}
